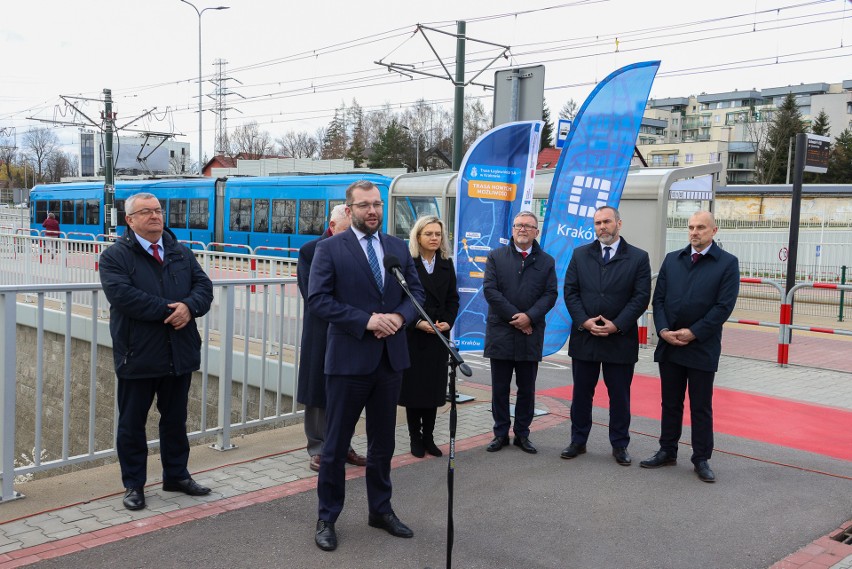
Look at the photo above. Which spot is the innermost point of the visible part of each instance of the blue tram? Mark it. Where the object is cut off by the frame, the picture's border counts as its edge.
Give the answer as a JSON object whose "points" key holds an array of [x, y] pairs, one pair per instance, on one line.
{"points": [[266, 213]]}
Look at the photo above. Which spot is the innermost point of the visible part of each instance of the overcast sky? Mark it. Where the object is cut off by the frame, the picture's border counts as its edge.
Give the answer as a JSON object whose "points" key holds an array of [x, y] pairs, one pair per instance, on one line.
{"points": [[297, 61]]}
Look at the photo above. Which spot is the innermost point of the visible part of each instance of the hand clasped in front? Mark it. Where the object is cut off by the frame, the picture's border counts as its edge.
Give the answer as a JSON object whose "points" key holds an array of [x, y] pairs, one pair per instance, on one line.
{"points": [[384, 325]]}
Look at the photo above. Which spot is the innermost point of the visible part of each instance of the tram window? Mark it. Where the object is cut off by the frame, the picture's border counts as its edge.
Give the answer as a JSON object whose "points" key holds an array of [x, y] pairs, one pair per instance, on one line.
{"points": [[331, 205], [199, 214], [283, 216], [311, 217], [40, 211], [119, 207], [240, 215], [93, 212], [261, 216], [404, 218], [177, 213], [65, 212], [79, 212]]}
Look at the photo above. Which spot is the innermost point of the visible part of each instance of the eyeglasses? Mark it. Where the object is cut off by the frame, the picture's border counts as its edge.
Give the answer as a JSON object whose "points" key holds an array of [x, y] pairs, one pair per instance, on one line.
{"points": [[525, 227], [367, 205], [148, 212]]}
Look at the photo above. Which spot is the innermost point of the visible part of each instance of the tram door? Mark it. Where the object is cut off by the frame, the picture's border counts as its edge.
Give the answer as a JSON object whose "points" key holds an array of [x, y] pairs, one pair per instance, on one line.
{"points": [[219, 212]]}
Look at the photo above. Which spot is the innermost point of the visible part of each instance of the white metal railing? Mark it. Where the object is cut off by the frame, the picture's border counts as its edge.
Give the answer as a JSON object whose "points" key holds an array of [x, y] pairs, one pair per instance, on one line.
{"points": [[66, 412]]}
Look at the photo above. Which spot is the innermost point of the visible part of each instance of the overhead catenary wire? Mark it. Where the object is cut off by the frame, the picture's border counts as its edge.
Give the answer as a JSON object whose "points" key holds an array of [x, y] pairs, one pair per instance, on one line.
{"points": [[369, 79]]}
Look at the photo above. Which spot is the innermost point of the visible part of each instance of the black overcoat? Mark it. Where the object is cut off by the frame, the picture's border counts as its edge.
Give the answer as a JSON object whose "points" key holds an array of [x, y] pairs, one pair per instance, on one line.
{"points": [[424, 384], [619, 291], [513, 284], [700, 297], [311, 388], [139, 291]]}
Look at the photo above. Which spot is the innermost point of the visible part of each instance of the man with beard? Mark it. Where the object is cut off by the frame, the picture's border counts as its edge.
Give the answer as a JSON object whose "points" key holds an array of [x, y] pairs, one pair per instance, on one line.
{"points": [[366, 310], [311, 391], [607, 288]]}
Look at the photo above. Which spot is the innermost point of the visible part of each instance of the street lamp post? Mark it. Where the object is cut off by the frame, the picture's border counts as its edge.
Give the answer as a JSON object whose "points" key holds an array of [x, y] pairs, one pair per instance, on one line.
{"points": [[200, 152]]}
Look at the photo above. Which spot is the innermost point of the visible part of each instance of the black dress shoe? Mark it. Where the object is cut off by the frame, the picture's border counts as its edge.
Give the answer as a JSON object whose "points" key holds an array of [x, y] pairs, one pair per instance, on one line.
{"points": [[188, 486], [326, 537], [573, 451], [497, 443], [391, 524], [525, 445], [662, 458], [134, 499], [621, 455], [702, 469]]}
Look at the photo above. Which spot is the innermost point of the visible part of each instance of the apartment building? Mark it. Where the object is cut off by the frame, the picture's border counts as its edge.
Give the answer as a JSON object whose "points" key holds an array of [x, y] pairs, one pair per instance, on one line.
{"points": [[728, 127]]}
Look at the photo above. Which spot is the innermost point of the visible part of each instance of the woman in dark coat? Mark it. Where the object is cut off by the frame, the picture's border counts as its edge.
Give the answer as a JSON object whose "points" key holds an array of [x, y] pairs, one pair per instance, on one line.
{"points": [[424, 384]]}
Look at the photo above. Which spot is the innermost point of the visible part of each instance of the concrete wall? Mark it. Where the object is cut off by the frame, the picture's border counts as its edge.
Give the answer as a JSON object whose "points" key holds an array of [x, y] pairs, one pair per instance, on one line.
{"points": [[53, 398]]}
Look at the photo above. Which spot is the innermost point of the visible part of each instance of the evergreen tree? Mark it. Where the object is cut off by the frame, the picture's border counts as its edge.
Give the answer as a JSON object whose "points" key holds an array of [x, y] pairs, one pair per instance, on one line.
{"points": [[547, 129], [336, 140], [787, 122], [357, 151], [392, 148], [821, 125], [840, 160]]}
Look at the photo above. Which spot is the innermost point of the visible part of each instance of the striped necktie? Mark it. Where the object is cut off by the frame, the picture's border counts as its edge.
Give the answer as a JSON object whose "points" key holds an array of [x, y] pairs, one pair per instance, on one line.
{"points": [[374, 263]]}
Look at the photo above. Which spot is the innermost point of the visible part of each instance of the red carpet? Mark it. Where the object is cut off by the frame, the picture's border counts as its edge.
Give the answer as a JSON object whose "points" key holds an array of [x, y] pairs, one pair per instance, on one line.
{"points": [[809, 427]]}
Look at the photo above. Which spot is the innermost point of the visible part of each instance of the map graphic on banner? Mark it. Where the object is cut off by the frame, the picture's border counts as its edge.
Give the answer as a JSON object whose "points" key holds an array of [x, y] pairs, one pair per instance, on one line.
{"points": [[591, 173], [495, 182]]}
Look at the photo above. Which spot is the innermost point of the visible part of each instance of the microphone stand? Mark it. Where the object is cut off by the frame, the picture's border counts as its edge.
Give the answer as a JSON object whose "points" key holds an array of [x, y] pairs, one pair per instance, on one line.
{"points": [[455, 362]]}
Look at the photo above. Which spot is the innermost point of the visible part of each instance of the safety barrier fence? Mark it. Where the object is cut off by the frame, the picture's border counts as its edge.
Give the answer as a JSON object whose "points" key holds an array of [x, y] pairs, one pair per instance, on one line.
{"points": [[784, 325], [786, 318], [58, 393]]}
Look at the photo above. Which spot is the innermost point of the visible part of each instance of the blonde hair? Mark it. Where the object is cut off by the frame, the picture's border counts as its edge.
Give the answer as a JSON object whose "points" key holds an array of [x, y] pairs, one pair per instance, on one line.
{"points": [[414, 236]]}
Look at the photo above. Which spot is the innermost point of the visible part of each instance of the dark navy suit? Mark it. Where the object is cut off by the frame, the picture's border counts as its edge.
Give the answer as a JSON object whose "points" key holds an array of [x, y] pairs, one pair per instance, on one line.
{"points": [[619, 291], [363, 372], [699, 296]]}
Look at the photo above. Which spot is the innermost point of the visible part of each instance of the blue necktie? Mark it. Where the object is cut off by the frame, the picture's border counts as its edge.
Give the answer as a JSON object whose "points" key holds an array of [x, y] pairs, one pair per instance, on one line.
{"points": [[607, 251], [374, 263]]}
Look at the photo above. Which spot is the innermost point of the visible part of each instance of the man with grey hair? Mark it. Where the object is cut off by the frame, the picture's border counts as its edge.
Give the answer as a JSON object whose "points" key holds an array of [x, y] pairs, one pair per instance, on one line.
{"points": [[156, 290], [311, 390], [520, 288]]}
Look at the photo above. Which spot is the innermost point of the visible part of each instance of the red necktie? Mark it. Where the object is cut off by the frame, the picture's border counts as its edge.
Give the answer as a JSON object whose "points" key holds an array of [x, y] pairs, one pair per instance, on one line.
{"points": [[695, 257], [155, 251], [524, 254]]}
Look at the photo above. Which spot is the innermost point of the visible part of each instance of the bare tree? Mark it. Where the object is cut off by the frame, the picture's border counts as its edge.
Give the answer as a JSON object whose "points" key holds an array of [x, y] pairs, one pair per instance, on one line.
{"points": [[8, 151], [59, 165], [476, 120], [41, 143], [319, 136], [568, 110], [297, 144], [248, 140], [180, 163]]}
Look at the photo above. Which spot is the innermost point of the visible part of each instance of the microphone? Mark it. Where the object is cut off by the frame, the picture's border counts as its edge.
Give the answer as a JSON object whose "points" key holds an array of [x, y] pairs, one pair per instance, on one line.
{"points": [[392, 264]]}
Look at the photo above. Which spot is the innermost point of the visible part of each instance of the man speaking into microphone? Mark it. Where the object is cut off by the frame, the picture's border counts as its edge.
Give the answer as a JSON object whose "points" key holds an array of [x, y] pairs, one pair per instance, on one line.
{"points": [[367, 309]]}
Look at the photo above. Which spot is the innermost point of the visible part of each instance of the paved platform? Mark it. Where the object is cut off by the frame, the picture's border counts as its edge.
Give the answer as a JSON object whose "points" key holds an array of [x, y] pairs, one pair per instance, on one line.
{"points": [[774, 505]]}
